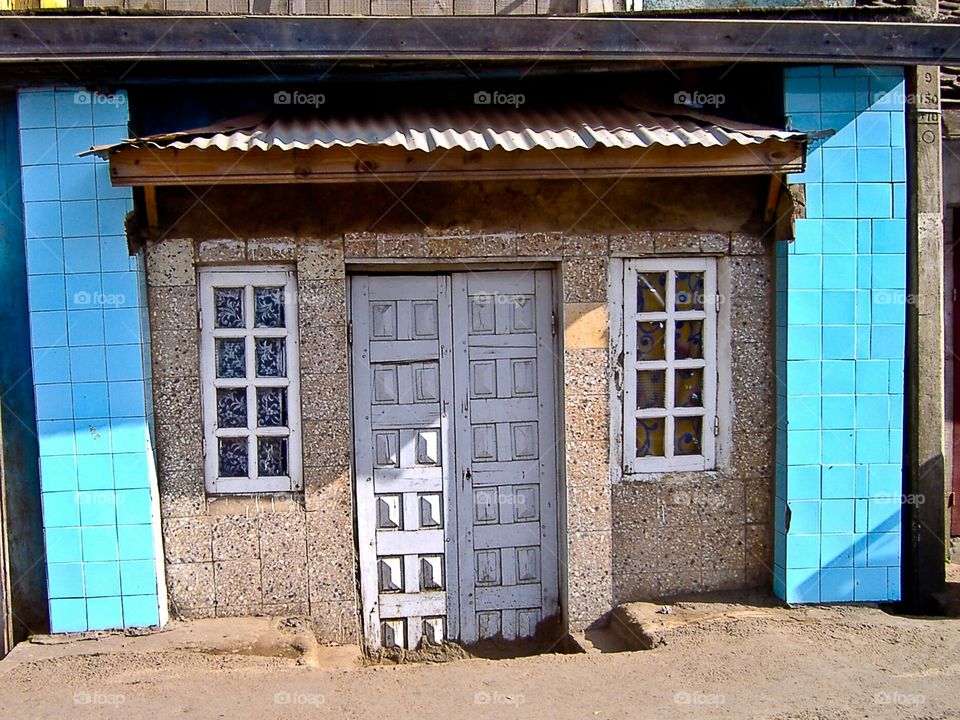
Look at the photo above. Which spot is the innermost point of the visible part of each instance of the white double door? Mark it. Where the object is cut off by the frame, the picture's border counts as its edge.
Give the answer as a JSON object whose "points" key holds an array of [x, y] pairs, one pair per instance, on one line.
{"points": [[456, 469]]}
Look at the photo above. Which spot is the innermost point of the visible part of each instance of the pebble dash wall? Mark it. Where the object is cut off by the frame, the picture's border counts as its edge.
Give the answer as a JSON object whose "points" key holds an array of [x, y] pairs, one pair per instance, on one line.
{"points": [[840, 342], [90, 349]]}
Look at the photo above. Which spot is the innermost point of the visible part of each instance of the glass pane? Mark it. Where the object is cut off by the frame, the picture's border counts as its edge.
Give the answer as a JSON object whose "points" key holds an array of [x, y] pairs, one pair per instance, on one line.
{"points": [[229, 302], [650, 437], [688, 388], [268, 307], [650, 392], [689, 291], [687, 432], [231, 358], [651, 292], [271, 357], [271, 407], [650, 337], [272, 456], [688, 342], [231, 407], [233, 457]]}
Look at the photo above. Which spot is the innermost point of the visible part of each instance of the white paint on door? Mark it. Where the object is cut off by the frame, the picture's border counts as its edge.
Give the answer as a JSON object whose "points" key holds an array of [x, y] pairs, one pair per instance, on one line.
{"points": [[455, 455]]}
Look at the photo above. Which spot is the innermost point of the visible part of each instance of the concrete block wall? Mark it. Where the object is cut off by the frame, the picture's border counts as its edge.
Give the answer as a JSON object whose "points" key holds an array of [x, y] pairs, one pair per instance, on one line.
{"points": [[840, 342], [89, 342]]}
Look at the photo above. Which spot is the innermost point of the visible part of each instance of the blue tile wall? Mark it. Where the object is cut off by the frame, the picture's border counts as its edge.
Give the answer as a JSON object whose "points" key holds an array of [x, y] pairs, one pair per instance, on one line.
{"points": [[88, 320], [841, 318]]}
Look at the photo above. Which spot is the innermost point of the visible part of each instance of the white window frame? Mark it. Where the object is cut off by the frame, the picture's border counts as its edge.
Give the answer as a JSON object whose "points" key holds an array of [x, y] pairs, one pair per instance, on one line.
{"points": [[669, 462], [249, 277]]}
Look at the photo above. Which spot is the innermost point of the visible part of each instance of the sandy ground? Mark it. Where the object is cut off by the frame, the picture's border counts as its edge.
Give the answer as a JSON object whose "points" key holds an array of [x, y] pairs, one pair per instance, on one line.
{"points": [[833, 663]]}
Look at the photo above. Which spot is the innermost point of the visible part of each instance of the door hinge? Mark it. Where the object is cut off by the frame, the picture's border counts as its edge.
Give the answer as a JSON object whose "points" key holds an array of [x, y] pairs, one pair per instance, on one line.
{"points": [[553, 322], [716, 426], [350, 333], [203, 448]]}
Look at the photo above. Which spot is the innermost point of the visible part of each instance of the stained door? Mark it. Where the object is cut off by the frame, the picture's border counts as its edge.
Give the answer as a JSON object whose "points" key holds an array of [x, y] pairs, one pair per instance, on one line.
{"points": [[453, 386]]}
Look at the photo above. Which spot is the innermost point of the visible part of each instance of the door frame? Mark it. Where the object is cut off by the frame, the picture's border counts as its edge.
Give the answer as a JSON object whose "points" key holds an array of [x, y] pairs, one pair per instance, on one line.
{"points": [[417, 266]]}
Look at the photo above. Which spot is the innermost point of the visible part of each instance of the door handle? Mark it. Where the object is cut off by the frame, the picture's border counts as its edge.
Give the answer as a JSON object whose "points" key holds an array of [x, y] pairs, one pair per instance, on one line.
{"points": [[467, 477]]}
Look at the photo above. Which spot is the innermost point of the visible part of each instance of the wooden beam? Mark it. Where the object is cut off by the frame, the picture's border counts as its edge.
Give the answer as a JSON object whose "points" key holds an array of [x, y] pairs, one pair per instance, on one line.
{"points": [[26, 40], [150, 204], [192, 166]]}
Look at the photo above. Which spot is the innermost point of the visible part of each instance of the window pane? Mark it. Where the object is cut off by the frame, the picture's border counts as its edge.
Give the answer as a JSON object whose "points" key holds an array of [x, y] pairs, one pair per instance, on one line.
{"points": [[231, 407], [689, 291], [687, 434], [229, 302], [231, 358], [688, 387], [271, 407], [268, 307], [650, 437], [271, 357], [688, 343], [651, 292], [650, 340], [650, 392], [272, 456], [233, 457]]}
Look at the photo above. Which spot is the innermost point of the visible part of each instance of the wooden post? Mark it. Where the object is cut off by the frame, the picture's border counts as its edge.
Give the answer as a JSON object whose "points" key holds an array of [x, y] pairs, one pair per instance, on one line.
{"points": [[6, 617]]}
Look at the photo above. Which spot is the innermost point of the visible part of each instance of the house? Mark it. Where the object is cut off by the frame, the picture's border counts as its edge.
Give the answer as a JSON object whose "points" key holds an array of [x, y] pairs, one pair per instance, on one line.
{"points": [[476, 333]]}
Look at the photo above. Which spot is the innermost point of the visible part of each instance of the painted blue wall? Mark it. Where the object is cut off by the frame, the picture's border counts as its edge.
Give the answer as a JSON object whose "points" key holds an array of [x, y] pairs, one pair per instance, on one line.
{"points": [[840, 342], [90, 350]]}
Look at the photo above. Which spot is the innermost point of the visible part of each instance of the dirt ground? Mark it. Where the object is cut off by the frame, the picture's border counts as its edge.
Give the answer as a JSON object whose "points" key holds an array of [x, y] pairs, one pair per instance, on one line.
{"points": [[824, 663]]}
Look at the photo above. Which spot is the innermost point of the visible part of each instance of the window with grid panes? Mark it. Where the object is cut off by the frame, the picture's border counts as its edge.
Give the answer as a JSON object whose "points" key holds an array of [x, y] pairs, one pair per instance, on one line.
{"points": [[250, 380], [670, 364]]}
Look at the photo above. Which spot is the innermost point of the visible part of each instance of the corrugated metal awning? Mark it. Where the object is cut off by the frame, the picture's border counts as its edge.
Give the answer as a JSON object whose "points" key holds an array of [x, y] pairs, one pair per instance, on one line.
{"points": [[482, 127]]}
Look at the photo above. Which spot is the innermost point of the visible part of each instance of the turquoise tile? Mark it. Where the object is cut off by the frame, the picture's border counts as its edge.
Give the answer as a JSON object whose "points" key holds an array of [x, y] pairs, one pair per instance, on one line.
{"points": [[88, 364], [803, 342], [803, 585], [872, 446], [896, 412], [124, 362], [104, 613], [109, 134], [122, 326], [79, 218], [140, 611], [111, 109], [839, 307], [836, 585], [47, 292], [899, 200], [838, 412], [803, 551], [113, 253], [120, 289], [893, 583], [95, 472], [809, 237], [36, 108], [48, 330], [44, 256], [839, 236], [136, 542], [58, 473], [844, 127], [899, 166], [804, 517], [870, 584], [134, 507], [804, 272], [60, 509], [898, 135], [836, 551], [890, 236], [887, 341], [887, 94], [803, 482], [886, 480], [62, 544], [803, 377], [863, 301], [54, 402], [838, 447], [837, 516], [864, 270], [839, 342], [38, 147], [861, 523], [837, 377], [84, 291], [873, 129], [97, 507], [839, 165], [839, 481], [802, 95], [874, 200], [814, 197], [90, 400], [873, 411], [779, 582], [840, 200], [138, 577], [93, 436], [884, 515], [872, 376], [803, 446], [804, 307], [862, 489], [40, 182], [65, 580], [127, 399], [874, 165], [68, 615], [838, 94], [803, 412], [85, 327], [102, 579], [129, 435], [864, 237], [73, 108], [840, 272], [112, 214], [56, 437], [888, 307], [896, 375], [104, 188], [81, 255], [77, 182]]}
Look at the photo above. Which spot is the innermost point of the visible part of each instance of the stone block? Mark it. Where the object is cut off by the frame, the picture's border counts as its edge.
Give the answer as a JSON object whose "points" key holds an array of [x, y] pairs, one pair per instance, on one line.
{"points": [[586, 417], [170, 262], [172, 307], [586, 325], [749, 244], [285, 580], [675, 242], [235, 537], [323, 302], [542, 245], [228, 250], [325, 396], [283, 535], [633, 244], [191, 585], [336, 622], [326, 443], [280, 250], [321, 261], [187, 540], [585, 280], [176, 353], [585, 371], [237, 584]]}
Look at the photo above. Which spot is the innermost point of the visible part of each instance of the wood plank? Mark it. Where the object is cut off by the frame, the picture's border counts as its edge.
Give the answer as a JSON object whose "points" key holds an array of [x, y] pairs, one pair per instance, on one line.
{"points": [[6, 613], [191, 166], [416, 604], [514, 597], [504, 536], [418, 542]]}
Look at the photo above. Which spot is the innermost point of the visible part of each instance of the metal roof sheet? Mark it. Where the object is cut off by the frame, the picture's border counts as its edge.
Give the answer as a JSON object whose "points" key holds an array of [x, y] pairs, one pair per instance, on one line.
{"points": [[478, 127]]}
